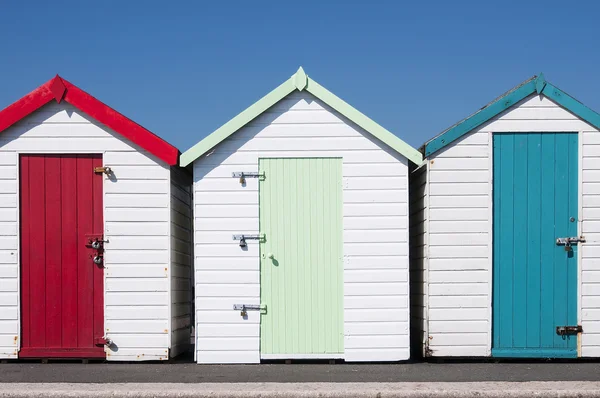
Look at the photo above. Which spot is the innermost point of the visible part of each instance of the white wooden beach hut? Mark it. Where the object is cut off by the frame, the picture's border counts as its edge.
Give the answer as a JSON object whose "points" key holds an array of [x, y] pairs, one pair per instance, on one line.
{"points": [[301, 232], [95, 232], [506, 230]]}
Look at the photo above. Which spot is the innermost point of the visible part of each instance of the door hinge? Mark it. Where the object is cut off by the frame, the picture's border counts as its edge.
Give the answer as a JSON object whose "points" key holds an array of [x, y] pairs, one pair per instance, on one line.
{"points": [[568, 330]]}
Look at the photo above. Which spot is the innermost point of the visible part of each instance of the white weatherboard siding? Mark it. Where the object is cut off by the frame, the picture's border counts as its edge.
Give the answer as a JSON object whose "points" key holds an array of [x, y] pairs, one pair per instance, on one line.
{"points": [[181, 261], [460, 231], [136, 221], [375, 192], [418, 211]]}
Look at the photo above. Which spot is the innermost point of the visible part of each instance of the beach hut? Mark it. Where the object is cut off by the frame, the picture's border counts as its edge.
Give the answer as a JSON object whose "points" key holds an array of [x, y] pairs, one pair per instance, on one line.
{"points": [[95, 232], [506, 230], [301, 232]]}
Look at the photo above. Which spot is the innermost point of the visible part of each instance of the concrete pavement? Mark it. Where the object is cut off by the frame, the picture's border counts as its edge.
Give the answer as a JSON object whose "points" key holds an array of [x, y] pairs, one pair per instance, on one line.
{"points": [[305, 390]]}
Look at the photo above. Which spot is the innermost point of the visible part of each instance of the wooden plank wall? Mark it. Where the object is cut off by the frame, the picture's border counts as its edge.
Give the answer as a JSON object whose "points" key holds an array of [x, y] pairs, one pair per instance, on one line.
{"points": [[137, 201], [375, 183], [460, 230]]}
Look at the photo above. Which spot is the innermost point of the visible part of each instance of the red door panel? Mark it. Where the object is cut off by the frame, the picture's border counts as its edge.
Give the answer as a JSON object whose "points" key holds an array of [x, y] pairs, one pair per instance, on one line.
{"points": [[62, 290]]}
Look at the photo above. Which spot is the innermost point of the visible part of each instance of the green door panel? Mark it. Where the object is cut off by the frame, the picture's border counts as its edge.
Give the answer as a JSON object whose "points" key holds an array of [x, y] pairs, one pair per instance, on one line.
{"points": [[301, 256]]}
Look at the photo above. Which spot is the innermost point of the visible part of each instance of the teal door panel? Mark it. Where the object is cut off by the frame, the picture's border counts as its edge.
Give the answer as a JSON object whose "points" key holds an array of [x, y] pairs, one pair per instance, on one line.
{"points": [[301, 284], [534, 279]]}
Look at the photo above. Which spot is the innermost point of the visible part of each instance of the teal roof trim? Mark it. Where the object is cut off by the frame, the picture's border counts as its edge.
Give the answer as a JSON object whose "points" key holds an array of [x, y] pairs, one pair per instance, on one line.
{"points": [[300, 81], [570, 103], [479, 118], [537, 84]]}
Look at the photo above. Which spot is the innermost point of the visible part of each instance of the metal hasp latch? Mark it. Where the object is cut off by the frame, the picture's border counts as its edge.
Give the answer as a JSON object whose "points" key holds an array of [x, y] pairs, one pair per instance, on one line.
{"points": [[242, 175], [106, 170], [103, 341], [568, 330], [244, 238], [569, 242], [244, 308]]}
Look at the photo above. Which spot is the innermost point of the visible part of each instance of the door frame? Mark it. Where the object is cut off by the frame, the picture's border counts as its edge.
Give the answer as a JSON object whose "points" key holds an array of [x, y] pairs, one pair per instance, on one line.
{"points": [[17, 158], [491, 229]]}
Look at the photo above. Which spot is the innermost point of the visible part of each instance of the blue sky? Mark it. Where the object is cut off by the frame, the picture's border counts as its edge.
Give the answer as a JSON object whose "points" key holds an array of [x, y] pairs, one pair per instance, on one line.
{"points": [[183, 68]]}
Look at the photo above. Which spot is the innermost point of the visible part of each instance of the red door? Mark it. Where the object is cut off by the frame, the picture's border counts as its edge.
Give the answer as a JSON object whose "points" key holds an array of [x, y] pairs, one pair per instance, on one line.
{"points": [[62, 310]]}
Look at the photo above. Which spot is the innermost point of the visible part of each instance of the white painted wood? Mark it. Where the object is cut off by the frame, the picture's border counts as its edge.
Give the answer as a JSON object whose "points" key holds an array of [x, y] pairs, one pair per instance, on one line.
{"points": [[136, 298], [375, 194], [383, 354], [360, 223], [458, 281], [227, 357], [379, 262], [438, 327], [226, 290], [181, 258], [470, 338], [450, 175], [242, 160], [150, 326], [448, 239], [589, 264], [228, 344], [375, 289], [136, 285], [375, 328], [228, 317], [419, 215], [130, 312], [137, 205], [382, 341], [142, 200]]}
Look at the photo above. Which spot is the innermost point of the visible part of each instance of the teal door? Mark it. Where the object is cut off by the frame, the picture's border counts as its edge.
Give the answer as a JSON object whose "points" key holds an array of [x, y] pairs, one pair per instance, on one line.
{"points": [[535, 280], [301, 270]]}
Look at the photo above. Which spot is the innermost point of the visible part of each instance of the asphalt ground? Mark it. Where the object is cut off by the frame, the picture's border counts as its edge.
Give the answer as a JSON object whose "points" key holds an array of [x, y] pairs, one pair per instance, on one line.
{"points": [[181, 372]]}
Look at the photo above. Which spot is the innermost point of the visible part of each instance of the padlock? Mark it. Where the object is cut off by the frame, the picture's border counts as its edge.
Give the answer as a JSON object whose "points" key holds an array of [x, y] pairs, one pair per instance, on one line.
{"points": [[96, 244], [568, 247], [98, 259]]}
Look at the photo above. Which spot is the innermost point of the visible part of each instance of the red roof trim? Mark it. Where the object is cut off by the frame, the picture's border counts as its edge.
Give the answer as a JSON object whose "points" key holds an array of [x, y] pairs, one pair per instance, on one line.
{"points": [[60, 89]]}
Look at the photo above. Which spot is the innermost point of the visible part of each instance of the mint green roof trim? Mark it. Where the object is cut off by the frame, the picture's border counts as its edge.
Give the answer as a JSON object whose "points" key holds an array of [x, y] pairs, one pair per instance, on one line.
{"points": [[237, 122], [537, 84], [365, 122], [300, 81]]}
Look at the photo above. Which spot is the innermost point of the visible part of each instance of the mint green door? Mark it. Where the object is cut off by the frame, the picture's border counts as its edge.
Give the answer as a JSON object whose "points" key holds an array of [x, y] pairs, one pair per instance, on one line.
{"points": [[301, 256]]}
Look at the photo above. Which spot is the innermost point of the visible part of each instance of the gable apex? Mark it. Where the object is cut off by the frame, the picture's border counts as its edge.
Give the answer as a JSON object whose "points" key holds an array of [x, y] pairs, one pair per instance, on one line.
{"points": [[302, 82], [59, 89], [535, 85]]}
